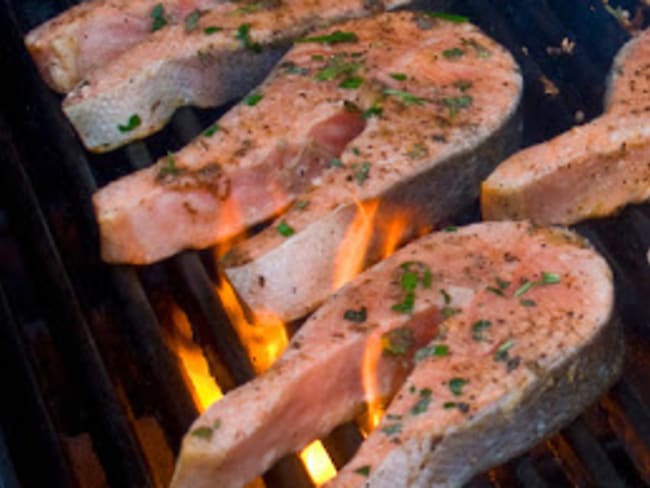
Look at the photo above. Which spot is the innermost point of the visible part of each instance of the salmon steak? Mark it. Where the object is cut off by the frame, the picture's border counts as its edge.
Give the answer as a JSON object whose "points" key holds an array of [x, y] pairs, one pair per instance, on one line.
{"points": [[482, 341], [221, 55], [591, 171], [367, 108], [86, 36], [442, 128]]}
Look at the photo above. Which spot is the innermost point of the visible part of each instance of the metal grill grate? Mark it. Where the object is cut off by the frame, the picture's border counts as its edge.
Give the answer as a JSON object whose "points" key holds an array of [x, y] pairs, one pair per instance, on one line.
{"points": [[93, 395]]}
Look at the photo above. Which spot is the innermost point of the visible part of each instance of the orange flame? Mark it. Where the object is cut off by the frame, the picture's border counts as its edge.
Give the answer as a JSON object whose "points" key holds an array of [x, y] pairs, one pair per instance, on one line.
{"points": [[351, 254], [369, 366], [196, 372]]}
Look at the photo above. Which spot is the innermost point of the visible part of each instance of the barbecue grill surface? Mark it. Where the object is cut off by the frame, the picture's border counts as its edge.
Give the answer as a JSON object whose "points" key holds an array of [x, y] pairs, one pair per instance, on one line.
{"points": [[92, 394]]}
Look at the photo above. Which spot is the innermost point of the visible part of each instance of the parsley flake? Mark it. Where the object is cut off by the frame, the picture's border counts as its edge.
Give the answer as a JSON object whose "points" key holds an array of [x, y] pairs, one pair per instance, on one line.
{"points": [[457, 19], [210, 131], [453, 53], [392, 429], [357, 316], [478, 329], [363, 470], [454, 104], [351, 83], [192, 20], [253, 99], [336, 163], [243, 35], [158, 17], [398, 76], [501, 353], [456, 385], [285, 229], [202, 433], [397, 342], [134, 121], [335, 37], [212, 29], [437, 350], [407, 98], [361, 172], [170, 168], [423, 403], [374, 111]]}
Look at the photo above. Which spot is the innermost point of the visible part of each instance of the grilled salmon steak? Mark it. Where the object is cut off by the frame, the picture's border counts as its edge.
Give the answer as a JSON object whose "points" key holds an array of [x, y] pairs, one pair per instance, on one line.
{"points": [[86, 36], [368, 108], [223, 54], [495, 335], [418, 163], [590, 171]]}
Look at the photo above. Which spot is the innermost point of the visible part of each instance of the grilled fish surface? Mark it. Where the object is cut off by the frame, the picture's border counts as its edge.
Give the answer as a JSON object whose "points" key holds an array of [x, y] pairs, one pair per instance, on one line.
{"points": [[508, 328], [418, 163], [590, 171], [227, 52], [322, 100], [69, 46]]}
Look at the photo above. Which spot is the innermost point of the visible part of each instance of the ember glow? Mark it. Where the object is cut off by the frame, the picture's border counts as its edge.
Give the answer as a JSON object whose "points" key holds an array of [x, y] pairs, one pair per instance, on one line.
{"points": [[369, 367]]}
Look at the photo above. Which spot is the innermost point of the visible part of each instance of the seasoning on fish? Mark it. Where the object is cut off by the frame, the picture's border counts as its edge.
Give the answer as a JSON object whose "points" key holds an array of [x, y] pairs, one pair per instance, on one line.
{"points": [[269, 151], [419, 161], [93, 33], [461, 408], [591, 171], [201, 66]]}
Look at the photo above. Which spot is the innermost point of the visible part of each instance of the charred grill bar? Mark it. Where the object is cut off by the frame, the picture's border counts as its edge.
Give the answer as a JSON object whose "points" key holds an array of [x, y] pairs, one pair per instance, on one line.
{"points": [[94, 395]]}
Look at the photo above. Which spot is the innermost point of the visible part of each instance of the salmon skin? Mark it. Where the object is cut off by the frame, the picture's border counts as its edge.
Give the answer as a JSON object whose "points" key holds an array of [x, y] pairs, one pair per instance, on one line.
{"points": [[495, 335], [354, 117], [591, 171], [416, 165], [69, 46], [228, 50]]}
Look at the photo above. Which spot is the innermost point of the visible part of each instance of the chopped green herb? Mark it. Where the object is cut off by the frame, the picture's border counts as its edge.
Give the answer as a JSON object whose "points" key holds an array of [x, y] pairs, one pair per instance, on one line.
{"points": [[192, 20], [406, 306], [547, 279], [453, 53], [450, 228], [302, 204], [478, 329], [445, 296], [374, 111], [336, 66], [243, 35], [210, 131], [502, 284], [361, 172], [253, 99], [427, 278], [409, 281], [398, 76], [463, 85], [392, 416], [335, 37], [134, 121], [456, 385], [480, 50], [550, 278], [212, 29], [293, 69], [524, 302], [363, 470], [397, 342], [202, 433], [392, 429], [170, 168], [358, 316], [437, 350], [336, 163], [407, 98], [462, 406], [351, 83], [216, 424], [449, 311], [285, 229], [494, 290], [412, 389], [501, 353], [158, 17], [423, 403], [458, 19], [456, 103], [356, 151], [248, 9]]}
